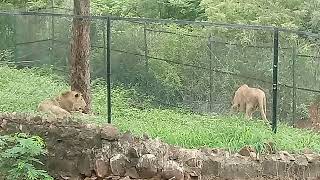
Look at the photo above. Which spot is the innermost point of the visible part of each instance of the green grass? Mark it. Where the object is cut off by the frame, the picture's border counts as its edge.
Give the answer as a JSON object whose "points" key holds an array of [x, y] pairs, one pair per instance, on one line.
{"points": [[22, 90]]}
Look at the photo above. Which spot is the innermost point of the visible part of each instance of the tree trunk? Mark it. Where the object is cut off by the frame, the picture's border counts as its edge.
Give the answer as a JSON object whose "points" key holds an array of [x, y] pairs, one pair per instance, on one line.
{"points": [[80, 52]]}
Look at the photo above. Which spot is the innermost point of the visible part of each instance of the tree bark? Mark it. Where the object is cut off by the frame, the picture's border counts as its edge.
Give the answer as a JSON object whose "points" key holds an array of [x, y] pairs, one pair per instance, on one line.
{"points": [[80, 52]]}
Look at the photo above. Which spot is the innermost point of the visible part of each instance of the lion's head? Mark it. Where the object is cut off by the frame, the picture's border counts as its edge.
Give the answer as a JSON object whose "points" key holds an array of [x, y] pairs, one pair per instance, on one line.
{"points": [[72, 101]]}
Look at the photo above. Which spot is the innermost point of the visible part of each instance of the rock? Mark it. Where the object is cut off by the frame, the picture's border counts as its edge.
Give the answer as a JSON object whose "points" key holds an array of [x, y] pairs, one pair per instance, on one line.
{"points": [[133, 152], [37, 118], [210, 166], [132, 173], [20, 127], [158, 148], [274, 167], [75, 178], [194, 175], [190, 157], [239, 168], [145, 136], [3, 124], [62, 166], [133, 162], [109, 133], [84, 164], [311, 158], [157, 177], [191, 176], [125, 178], [187, 176], [107, 149], [173, 153], [307, 151], [301, 160], [245, 151], [68, 177], [254, 156], [112, 178], [285, 156], [90, 178], [216, 152], [118, 164], [147, 166], [171, 169], [192, 162], [102, 168], [127, 137], [91, 126], [249, 151], [269, 147]]}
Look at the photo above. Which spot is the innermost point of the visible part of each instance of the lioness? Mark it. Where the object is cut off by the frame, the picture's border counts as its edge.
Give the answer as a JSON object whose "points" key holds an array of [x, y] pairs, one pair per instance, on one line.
{"points": [[248, 100], [64, 104]]}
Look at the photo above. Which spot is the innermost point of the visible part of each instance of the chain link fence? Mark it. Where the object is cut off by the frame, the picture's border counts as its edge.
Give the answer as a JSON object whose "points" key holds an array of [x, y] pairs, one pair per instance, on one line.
{"points": [[191, 65]]}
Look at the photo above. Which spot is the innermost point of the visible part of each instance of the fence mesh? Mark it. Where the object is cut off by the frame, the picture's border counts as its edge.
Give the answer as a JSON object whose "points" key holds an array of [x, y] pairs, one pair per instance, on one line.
{"points": [[195, 67]]}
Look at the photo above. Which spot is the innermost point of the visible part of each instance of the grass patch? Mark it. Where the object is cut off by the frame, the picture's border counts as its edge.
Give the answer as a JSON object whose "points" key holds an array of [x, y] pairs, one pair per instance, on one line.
{"points": [[22, 90]]}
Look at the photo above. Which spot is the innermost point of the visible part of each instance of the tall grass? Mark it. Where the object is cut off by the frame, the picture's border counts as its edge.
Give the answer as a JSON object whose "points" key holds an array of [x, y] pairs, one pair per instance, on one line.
{"points": [[22, 90]]}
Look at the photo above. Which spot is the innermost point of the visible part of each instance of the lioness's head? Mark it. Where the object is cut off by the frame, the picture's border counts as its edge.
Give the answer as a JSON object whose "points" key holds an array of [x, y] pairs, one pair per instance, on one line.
{"points": [[72, 101]]}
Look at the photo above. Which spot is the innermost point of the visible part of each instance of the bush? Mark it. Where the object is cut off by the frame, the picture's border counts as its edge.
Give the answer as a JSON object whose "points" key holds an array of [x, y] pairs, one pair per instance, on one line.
{"points": [[18, 157]]}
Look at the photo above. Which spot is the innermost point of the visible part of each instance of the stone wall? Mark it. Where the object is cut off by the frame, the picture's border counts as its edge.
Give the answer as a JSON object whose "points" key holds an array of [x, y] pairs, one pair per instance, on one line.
{"points": [[86, 151]]}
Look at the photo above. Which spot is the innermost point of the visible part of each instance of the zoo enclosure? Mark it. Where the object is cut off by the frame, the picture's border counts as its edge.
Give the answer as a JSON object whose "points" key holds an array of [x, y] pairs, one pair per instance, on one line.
{"points": [[278, 66]]}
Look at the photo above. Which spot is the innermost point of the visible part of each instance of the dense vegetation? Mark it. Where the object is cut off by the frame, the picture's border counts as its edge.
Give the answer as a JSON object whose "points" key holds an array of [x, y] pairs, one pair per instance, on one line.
{"points": [[22, 90], [168, 81], [19, 155], [298, 14]]}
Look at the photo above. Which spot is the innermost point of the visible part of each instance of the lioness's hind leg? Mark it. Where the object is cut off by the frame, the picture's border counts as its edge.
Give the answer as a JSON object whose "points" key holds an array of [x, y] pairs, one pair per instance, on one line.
{"points": [[249, 110], [262, 107]]}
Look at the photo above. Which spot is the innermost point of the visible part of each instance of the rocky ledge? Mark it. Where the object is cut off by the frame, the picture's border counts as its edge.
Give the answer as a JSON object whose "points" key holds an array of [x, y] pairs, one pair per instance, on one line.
{"points": [[86, 151]]}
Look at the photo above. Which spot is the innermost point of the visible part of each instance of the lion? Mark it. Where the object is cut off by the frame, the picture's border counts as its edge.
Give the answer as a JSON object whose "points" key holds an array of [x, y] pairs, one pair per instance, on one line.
{"points": [[248, 100], [63, 105]]}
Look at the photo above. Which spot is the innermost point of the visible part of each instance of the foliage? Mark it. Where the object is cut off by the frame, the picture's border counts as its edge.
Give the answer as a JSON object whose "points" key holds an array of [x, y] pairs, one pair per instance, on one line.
{"points": [[133, 112], [176, 9], [279, 13], [311, 21], [29, 5], [5, 56], [18, 157], [303, 111]]}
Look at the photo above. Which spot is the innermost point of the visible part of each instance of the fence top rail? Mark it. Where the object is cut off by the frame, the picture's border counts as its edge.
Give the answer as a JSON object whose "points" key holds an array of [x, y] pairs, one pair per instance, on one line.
{"points": [[163, 21]]}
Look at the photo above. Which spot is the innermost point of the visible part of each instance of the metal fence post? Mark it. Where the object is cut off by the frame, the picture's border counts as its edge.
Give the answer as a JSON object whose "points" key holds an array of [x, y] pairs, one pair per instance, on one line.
{"points": [[52, 34], [145, 47], [146, 57], [294, 88], [14, 39], [210, 71], [275, 79], [107, 55]]}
